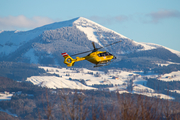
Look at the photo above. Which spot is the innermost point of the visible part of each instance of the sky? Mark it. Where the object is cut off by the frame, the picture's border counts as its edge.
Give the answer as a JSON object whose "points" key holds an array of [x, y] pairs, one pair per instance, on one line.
{"points": [[149, 21]]}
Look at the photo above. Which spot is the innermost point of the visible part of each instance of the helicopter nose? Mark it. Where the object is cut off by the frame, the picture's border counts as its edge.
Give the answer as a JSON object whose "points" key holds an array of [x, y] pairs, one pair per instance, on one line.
{"points": [[114, 57]]}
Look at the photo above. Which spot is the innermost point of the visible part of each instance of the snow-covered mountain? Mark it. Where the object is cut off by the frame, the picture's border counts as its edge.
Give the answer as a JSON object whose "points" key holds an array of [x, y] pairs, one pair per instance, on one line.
{"points": [[43, 45]]}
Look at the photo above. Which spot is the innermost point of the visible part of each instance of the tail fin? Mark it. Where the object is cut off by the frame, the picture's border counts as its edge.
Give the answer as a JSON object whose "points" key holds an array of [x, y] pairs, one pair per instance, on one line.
{"points": [[68, 60]]}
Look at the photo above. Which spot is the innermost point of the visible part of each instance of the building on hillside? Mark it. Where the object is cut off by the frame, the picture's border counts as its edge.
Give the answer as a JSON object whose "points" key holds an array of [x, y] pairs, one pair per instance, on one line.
{"points": [[5, 92], [116, 78]]}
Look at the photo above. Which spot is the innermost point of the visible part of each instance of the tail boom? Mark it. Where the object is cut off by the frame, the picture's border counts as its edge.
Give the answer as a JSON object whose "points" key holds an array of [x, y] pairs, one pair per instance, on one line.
{"points": [[69, 61]]}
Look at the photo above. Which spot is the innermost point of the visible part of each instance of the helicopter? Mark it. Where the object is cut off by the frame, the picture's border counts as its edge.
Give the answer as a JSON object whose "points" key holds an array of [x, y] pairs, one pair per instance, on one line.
{"points": [[99, 58]]}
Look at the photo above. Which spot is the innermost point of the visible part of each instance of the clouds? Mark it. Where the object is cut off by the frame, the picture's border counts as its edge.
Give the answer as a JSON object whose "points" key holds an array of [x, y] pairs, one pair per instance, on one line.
{"points": [[148, 18], [21, 22], [156, 17]]}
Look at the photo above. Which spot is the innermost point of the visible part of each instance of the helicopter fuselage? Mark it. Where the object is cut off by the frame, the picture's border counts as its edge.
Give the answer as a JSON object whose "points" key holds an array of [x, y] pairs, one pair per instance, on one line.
{"points": [[99, 57]]}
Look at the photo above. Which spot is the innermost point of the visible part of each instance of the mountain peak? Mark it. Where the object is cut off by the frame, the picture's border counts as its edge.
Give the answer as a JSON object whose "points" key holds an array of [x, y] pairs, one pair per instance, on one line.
{"points": [[72, 36], [84, 22]]}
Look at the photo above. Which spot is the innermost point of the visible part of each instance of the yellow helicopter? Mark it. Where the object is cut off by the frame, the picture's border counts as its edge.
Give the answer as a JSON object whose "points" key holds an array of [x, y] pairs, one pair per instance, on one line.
{"points": [[99, 58]]}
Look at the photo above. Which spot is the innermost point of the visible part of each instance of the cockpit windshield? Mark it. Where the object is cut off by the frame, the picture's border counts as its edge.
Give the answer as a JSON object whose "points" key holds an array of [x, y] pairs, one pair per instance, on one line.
{"points": [[104, 54]]}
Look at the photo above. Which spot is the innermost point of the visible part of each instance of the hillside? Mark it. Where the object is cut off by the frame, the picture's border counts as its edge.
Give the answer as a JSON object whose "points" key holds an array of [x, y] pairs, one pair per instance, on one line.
{"points": [[33, 102], [134, 82], [45, 44]]}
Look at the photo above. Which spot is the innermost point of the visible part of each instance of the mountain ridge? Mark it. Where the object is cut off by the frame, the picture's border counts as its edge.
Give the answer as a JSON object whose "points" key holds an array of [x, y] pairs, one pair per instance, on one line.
{"points": [[44, 44]]}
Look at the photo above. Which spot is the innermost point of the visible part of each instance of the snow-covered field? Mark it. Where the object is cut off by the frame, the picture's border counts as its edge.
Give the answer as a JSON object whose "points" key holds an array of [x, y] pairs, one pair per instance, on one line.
{"points": [[74, 78], [4, 96], [173, 76], [113, 80], [177, 91]]}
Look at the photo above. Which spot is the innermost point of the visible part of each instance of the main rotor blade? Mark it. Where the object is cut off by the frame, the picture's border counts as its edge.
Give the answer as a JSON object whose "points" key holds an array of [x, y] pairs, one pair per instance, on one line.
{"points": [[109, 44], [82, 53], [96, 48]]}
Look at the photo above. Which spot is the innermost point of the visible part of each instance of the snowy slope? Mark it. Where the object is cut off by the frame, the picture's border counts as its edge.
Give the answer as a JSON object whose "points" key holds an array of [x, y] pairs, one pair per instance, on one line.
{"points": [[173, 76], [150, 46], [56, 82], [11, 40], [84, 79], [5, 96], [89, 27]]}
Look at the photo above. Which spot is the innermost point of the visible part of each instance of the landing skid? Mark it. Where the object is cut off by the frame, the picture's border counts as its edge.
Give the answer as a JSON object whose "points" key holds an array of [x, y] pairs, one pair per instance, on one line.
{"points": [[99, 65], [105, 63], [102, 64]]}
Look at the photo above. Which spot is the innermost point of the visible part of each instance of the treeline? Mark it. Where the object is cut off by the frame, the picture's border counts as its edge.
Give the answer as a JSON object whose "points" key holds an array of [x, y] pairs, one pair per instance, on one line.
{"points": [[144, 64], [166, 69], [164, 87], [149, 60], [19, 103], [10, 85], [161, 85], [19, 71], [160, 53], [100, 105], [102, 86], [84, 105], [134, 64]]}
